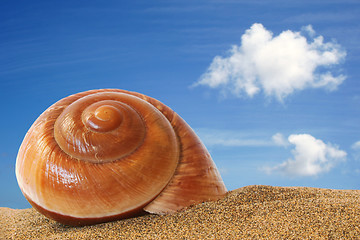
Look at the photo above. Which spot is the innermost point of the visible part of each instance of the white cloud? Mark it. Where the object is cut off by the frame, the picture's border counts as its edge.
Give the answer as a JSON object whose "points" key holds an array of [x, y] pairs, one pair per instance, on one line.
{"points": [[228, 138], [213, 137], [311, 157], [276, 65], [356, 148], [356, 145], [280, 140]]}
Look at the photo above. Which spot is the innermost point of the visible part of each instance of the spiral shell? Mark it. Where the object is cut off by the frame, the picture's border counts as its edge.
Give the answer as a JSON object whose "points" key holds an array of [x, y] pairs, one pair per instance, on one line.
{"points": [[108, 154]]}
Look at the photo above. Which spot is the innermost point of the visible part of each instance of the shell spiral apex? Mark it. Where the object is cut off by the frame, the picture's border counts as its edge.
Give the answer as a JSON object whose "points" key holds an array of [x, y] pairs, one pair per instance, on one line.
{"points": [[108, 154]]}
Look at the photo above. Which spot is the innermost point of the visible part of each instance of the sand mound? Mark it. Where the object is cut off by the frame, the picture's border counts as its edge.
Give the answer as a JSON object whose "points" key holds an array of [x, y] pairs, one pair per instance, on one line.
{"points": [[253, 212]]}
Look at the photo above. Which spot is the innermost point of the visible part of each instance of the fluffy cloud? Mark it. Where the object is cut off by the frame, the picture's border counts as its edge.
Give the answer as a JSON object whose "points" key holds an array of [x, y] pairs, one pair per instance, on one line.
{"points": [[311, 157], [278, 65]]}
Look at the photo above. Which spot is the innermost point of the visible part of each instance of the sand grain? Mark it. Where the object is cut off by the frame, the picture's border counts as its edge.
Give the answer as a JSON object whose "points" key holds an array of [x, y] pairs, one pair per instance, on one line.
{"points": [[253, 212]]}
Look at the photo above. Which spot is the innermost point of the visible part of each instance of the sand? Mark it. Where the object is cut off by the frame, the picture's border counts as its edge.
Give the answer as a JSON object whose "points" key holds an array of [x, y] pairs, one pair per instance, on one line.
{"points": [[253, 212]]}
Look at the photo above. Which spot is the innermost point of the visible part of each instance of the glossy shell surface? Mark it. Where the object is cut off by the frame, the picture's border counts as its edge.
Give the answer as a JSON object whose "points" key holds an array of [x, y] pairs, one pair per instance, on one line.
{"points": [[108, 154]]}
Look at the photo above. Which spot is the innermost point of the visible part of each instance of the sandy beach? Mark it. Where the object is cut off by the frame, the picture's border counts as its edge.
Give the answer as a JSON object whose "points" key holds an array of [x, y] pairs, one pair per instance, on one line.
{"points": [[252, 212]]}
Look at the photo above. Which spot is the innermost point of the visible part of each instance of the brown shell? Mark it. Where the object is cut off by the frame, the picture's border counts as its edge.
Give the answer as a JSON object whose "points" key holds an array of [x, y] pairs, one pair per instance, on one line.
{"points": [[108, 154]]}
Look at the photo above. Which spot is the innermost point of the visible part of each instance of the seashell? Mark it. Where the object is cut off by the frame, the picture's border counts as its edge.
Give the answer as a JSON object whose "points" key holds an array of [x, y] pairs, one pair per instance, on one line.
{"points": [[108, 154]]}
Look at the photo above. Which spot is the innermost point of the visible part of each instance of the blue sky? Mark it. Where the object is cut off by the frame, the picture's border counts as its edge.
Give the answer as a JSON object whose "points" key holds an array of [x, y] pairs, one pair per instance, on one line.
{"points": [[271, 87]]}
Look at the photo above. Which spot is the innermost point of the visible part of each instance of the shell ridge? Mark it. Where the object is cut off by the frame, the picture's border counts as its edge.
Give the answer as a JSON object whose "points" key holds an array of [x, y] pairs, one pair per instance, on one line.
{"points": [[74, 191]]}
